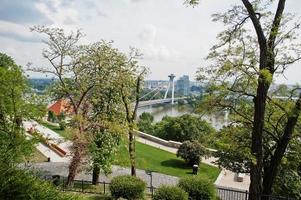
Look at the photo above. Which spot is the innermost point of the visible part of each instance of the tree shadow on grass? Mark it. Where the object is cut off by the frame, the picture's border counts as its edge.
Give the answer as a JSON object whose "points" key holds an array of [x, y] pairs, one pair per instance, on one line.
{"points": [[175, 163]]}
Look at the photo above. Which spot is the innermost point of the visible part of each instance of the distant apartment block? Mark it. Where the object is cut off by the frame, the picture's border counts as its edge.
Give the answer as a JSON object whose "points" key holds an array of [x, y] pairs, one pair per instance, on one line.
{"points": [[183, 85]]}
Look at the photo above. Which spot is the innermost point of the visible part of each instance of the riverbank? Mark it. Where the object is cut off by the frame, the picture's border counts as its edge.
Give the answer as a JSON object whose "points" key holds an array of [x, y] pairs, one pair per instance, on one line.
{"points": [[217, 120]]}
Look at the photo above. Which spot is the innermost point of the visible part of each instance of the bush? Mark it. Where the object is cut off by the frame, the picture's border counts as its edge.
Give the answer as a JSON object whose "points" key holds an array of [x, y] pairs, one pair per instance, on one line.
{"points": [[191, 152], [127, 187], [170, 193], [62, 125], [51, 117], [21, 184], [198, 188]]}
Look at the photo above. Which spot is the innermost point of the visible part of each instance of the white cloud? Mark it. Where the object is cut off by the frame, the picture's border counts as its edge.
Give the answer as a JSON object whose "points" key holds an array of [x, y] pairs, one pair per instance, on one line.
{"points": [[57, 13], [173, 37], [18, 32], [150, 47]]}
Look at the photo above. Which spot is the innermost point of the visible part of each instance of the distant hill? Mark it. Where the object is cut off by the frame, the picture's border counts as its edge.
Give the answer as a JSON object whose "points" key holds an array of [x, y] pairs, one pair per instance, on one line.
{"points": [[40, 84]]}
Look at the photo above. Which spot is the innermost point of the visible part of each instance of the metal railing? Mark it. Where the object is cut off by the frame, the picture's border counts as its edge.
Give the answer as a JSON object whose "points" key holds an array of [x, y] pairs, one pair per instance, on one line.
{"points": [[84, 186], [233, 194]]}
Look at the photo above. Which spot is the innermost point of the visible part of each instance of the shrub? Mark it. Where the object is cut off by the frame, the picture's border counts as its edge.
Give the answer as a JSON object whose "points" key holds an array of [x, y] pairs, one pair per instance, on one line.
{"points": [[51, 117], [21, 184], [170, 193], [62, 125], [127, 187], [191, 152], [198, 188]]}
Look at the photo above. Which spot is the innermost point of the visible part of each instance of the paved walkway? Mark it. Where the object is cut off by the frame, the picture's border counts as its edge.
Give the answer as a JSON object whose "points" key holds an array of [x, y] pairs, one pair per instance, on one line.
{"points": [[61, 168], [54, 138]]}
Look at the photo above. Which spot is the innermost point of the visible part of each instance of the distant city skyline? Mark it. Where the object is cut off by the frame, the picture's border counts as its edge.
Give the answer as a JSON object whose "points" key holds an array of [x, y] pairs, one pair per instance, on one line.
{"points": [[173, 37]]}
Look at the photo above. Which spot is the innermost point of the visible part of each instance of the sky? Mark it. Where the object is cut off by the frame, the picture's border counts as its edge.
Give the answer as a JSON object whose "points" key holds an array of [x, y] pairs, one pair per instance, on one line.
{"points": [[173, 37]]}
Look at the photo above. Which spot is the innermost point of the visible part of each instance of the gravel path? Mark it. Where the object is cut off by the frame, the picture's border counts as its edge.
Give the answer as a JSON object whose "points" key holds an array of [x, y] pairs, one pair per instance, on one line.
{"points": [[61, 168]]}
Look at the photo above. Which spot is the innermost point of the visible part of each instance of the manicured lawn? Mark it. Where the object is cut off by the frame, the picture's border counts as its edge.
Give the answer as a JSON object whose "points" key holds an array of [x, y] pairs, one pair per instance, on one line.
{"points": [[154, 159], [37, 157], [63, 133]]}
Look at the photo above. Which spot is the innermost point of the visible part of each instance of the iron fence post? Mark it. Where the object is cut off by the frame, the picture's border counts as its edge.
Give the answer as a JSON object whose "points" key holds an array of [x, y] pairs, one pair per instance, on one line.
{"points": [[152, 190], [63, 184], [246, 195], [104, 187], [82, 186]]}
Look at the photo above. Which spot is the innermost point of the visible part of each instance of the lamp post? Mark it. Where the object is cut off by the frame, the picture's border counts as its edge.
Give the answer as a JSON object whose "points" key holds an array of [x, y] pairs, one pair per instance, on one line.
{"points": [[150, 173]]}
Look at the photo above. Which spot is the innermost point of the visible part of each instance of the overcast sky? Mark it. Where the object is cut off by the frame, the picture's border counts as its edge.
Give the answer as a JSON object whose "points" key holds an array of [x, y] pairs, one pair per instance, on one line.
{"points": [[174, 38]]}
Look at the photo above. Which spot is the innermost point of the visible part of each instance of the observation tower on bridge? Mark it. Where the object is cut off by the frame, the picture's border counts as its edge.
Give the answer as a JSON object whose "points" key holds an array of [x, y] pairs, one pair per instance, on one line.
{"points": [[171, 84]]}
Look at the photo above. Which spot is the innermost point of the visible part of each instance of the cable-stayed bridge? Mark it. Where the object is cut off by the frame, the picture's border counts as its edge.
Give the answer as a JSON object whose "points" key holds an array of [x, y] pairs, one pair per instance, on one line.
{"points": [[158, 101], [154, 92]]}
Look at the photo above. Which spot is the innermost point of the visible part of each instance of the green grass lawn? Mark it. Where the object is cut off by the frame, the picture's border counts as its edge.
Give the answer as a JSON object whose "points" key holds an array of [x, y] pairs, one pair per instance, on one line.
{"points": [[86, 196], [154, 159], [36, 157], [63, 133]]}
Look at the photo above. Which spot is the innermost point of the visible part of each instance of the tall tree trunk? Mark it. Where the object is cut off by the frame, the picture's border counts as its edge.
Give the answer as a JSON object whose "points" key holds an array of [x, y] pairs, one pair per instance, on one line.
{"points": [[74, 165], [132, 152], [95, 174], [79, 149], [271, 172], [256, 147]]}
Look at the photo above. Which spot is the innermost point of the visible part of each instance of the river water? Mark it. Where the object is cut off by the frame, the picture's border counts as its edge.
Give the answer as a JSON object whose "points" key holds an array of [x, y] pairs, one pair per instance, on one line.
{"points": [[217, 120]]}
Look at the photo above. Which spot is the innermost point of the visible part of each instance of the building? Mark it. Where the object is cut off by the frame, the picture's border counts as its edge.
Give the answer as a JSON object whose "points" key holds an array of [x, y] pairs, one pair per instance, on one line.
{"points": [[61, 106], [183, 85], [151, 84]]}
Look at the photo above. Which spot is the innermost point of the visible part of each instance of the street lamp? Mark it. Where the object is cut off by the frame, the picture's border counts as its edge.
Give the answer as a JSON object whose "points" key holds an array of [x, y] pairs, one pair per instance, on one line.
{"points": [[150, 173]]}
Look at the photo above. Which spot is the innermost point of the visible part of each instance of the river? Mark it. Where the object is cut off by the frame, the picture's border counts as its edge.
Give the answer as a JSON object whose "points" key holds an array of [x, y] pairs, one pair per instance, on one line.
{"points": [[217, 120]]}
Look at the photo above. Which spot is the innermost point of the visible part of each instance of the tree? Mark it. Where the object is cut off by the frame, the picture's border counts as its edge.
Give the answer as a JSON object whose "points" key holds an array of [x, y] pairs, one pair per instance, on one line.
{"points": [[70, 64], [102, 148], [90, 77], [13, 110], [130, 88], [192, 152], [17, 105], [145, 123], [243, 71], [185, 127], [107, 117]]}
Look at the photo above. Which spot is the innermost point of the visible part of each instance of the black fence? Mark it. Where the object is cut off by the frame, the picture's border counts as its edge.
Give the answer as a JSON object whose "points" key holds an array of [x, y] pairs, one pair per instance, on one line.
{"points": [[83, 186], [232, 194], [102, 187]]}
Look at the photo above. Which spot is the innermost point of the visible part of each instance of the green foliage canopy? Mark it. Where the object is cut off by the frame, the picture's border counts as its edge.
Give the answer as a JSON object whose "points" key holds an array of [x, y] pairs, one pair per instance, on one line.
{"points": [[192, 152], [170, 193], [127, 187], [185, 127]]}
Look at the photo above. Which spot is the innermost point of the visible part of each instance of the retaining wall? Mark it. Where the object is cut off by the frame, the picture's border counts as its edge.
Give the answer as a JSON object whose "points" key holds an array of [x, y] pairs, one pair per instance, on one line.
{"points": [[168, 143]]}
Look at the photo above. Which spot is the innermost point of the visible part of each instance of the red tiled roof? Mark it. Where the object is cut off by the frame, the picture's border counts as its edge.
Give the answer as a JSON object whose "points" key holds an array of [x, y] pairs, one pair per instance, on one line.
{"points": [[60, 106]]}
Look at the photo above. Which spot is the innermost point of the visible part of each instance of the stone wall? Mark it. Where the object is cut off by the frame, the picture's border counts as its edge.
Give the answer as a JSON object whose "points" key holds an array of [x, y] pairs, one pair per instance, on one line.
{"points": [[168, 143]]}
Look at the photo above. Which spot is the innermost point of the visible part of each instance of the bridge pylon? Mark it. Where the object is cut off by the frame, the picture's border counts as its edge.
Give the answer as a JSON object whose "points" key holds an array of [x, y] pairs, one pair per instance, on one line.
{"points": [[171, 84]]}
